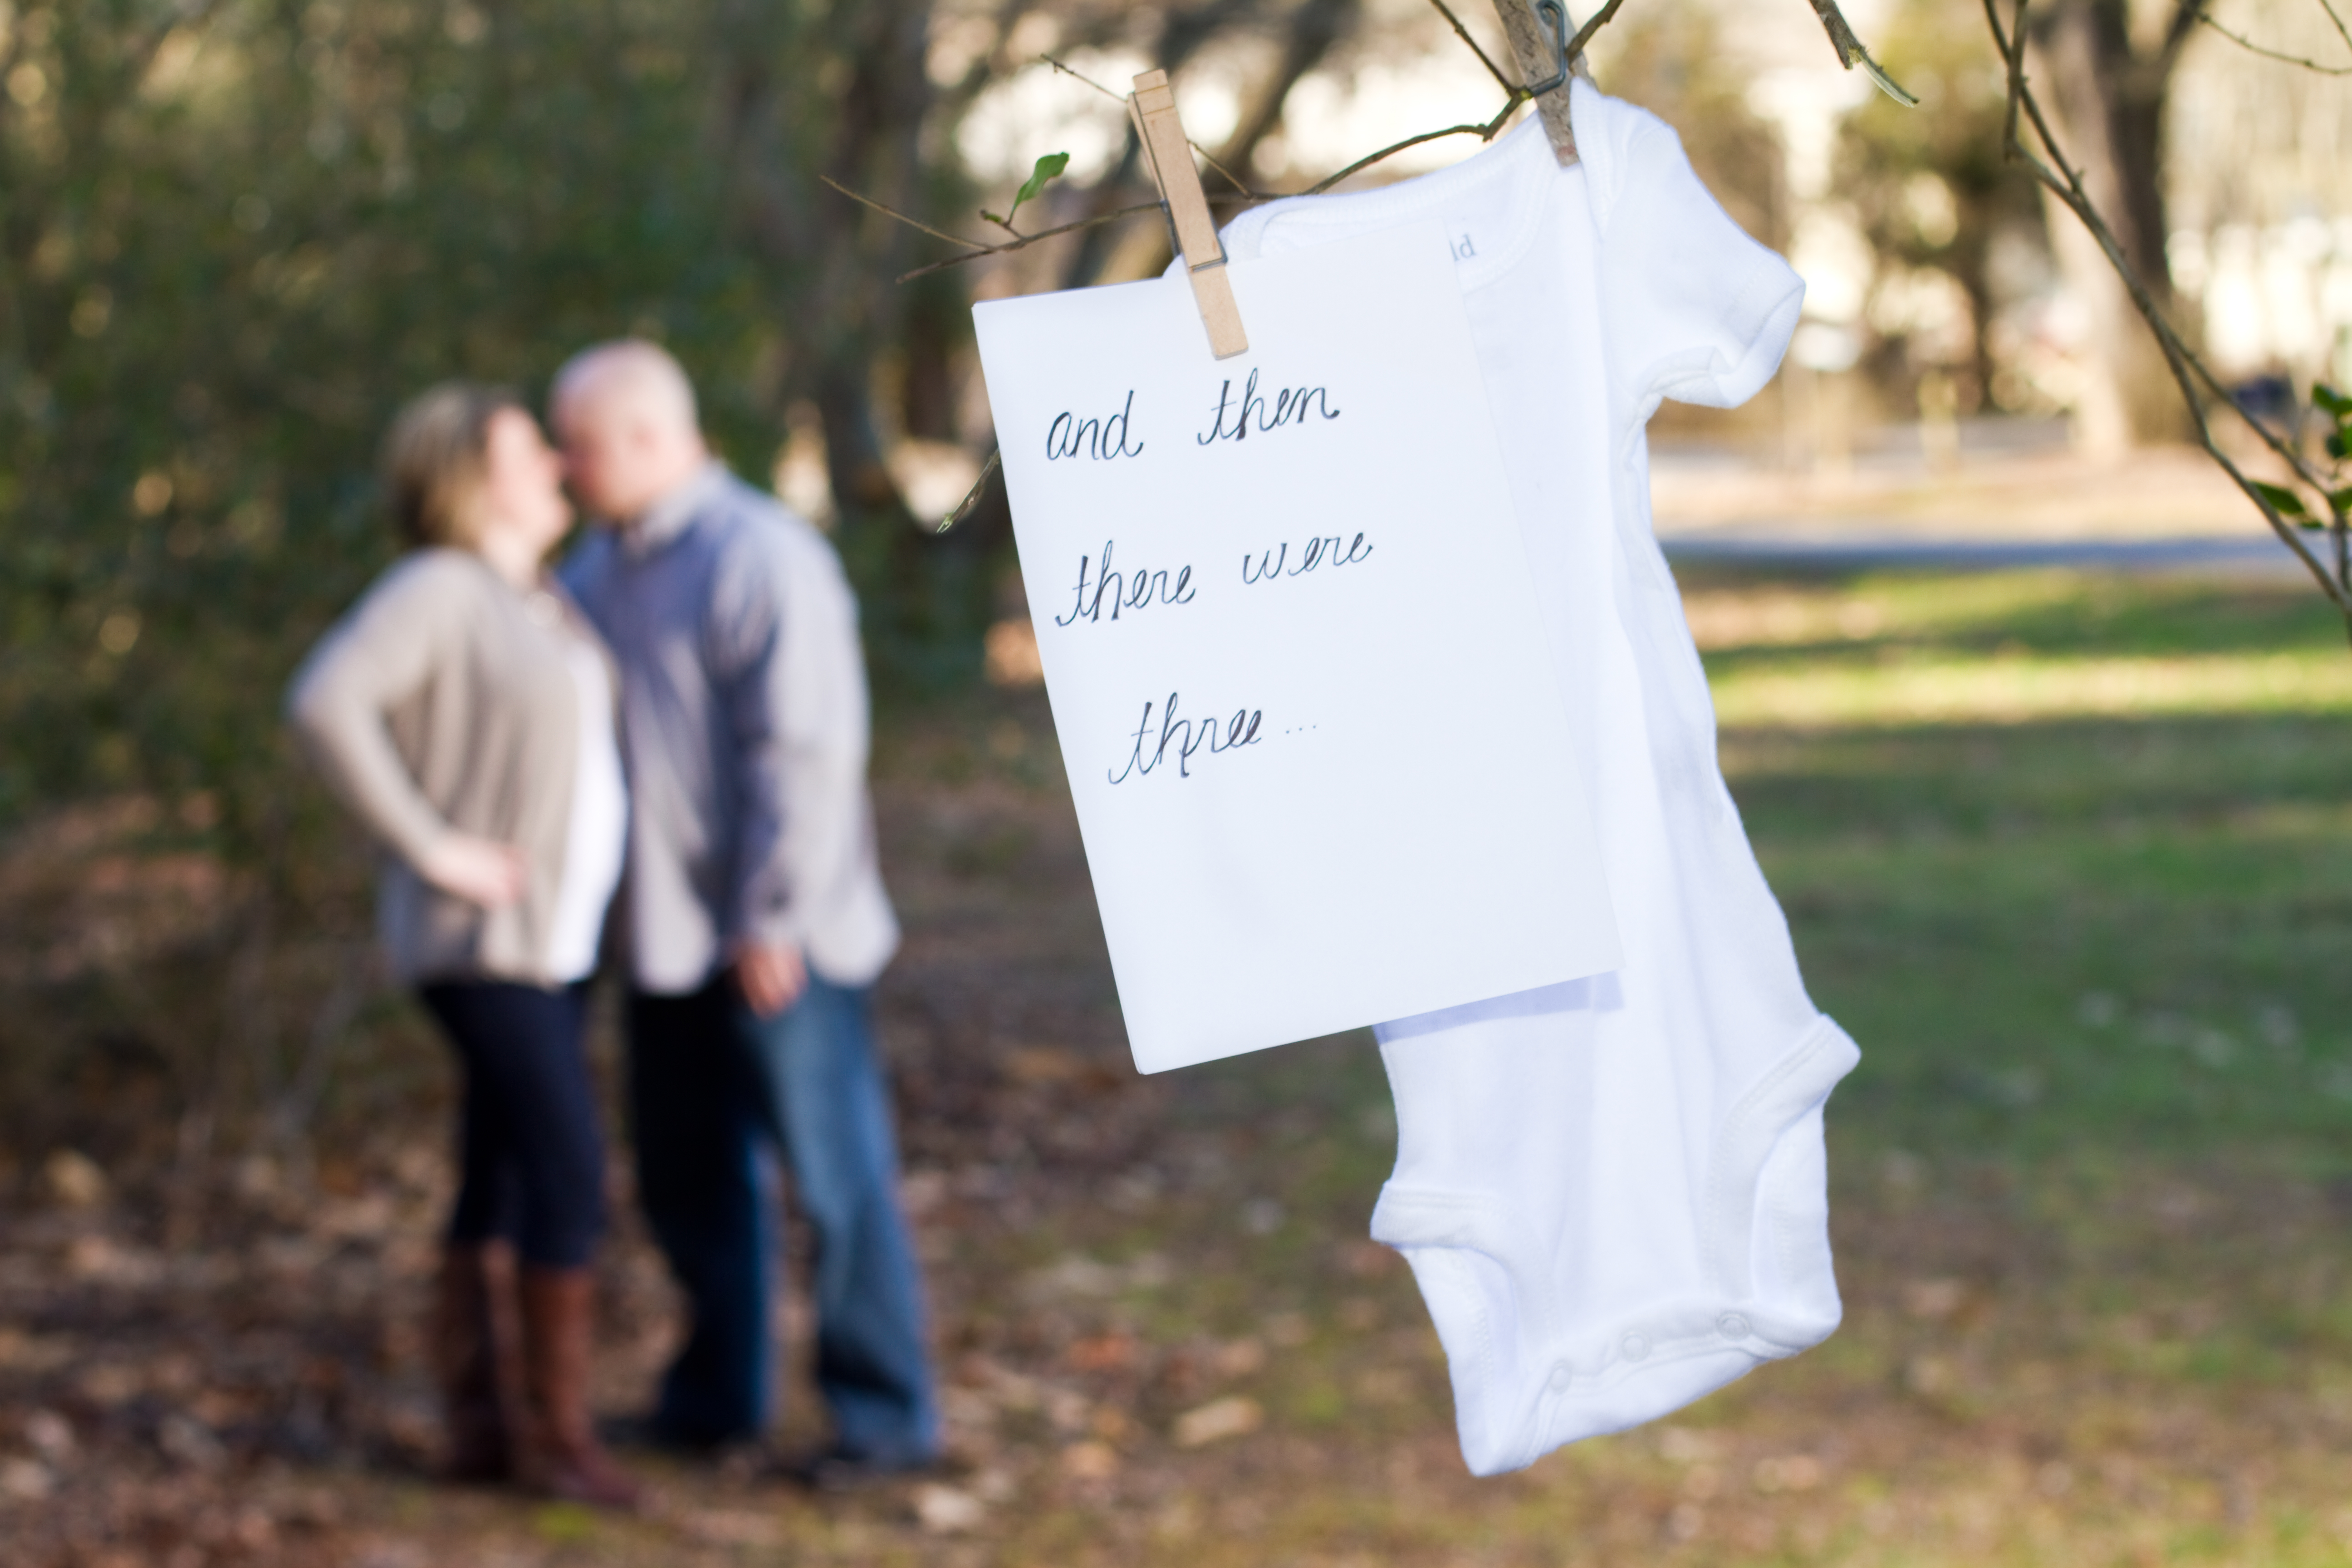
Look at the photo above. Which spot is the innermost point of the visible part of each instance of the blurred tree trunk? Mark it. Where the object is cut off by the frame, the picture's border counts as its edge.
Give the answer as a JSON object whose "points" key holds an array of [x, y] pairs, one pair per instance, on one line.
{"points": [[937, 325], [1310, 32], [2108, 83], [1314, 29], [924, 596]]}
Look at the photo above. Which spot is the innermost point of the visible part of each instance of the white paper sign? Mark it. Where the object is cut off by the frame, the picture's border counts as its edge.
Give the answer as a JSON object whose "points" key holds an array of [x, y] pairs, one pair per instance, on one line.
{"points": [[1322, 765]]}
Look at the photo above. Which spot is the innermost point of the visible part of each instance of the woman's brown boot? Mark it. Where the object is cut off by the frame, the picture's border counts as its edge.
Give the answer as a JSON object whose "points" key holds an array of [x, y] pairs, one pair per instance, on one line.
{"points": [[561, 1457], [474, 1344]]}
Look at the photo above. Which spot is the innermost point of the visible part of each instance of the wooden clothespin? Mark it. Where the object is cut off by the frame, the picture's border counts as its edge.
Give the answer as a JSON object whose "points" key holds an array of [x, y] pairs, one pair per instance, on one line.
{"points": [[1539, 32], [1153, 105]]}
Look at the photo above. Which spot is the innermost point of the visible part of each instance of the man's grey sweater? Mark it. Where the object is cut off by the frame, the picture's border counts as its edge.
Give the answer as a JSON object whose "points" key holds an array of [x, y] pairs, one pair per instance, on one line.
{"points": [[744, 724]]}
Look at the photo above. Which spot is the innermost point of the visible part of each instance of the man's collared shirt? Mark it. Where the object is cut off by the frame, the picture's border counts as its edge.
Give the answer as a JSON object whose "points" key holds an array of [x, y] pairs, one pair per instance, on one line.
{"points": [[745, 727]]}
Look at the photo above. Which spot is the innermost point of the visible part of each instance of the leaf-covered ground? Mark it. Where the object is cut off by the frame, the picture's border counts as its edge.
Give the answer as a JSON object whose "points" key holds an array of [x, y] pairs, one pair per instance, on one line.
{"points": [[2090, 1184]]}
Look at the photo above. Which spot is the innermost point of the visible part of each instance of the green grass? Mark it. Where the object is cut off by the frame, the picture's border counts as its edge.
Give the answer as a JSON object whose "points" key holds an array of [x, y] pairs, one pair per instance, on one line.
{"points": [[2094, 954], [2103, 938], [2091, 1181]]}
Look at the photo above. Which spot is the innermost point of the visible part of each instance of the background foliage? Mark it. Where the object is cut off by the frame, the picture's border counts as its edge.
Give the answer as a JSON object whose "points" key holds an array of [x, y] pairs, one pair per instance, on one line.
{"points": [[233, 242], [235, 234], [232, 238]]}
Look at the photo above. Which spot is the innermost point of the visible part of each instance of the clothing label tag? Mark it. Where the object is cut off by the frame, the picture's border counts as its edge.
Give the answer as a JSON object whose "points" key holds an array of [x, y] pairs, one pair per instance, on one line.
{"points": [[1322, 765]]}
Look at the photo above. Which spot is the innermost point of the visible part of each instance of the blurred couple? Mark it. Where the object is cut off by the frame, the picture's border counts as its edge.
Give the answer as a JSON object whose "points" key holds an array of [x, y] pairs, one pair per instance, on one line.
{"points": [[667, 736]]}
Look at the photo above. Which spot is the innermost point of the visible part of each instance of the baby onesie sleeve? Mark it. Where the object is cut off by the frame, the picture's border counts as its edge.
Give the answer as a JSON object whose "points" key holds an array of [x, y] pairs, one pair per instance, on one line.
{"points": [[1694, 309]]}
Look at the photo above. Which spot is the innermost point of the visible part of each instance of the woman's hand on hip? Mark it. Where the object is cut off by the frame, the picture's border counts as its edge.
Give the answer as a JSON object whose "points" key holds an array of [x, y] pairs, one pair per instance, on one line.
{"points": [[478, 870]]}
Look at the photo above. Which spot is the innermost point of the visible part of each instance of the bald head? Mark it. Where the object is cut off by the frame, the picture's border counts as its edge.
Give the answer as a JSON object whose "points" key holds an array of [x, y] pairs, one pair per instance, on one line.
{"points": [[625, 412], [630, 377]]}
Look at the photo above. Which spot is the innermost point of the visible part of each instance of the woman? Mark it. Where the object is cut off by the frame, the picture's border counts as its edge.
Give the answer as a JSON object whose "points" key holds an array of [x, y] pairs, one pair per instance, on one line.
{"points": [[463, 710]]}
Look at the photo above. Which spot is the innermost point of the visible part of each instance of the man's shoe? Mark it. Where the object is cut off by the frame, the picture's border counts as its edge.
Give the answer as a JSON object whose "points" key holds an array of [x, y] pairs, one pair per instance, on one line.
{"points": [[839, 1471], [648, 1433]]}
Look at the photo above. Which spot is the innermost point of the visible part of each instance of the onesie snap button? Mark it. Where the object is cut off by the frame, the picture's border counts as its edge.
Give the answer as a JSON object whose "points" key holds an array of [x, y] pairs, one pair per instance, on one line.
{"points": [[1636, 1348], [1561, 1376], [1732, 1326]]}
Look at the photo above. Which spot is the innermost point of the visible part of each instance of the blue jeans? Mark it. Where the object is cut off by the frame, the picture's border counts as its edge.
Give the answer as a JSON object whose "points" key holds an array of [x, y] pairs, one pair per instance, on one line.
{"points": [[711, 1084]]}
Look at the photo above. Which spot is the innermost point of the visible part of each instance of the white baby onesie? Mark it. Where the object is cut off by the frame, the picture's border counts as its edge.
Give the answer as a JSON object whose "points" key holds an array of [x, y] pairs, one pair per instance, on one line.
{"points": [[1612, 1192]]}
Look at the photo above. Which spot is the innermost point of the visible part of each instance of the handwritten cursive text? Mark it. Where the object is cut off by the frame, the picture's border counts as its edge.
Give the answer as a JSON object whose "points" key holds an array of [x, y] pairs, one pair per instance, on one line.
{"points": [[1126, 589], [1186, 736], [1100, 439], [1324, 550], [1288, 407]]}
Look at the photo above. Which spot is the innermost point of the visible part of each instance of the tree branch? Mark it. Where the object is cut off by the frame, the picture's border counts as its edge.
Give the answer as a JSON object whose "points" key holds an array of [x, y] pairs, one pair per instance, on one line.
{"points": [[2013, 53], [1850, 53], [1506, 83], [2178, 31], [2251, 46], [962, 509], [1206, 156], [2336, 16], [978, 250], [1486, 133], [2188, 369], [974, 251], [1601, 19], [888, 211], [1315, 28]]}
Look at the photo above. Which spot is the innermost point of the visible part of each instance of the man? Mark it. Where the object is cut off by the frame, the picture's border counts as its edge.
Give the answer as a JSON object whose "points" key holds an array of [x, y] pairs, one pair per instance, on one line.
{"points": [[755, 918]]}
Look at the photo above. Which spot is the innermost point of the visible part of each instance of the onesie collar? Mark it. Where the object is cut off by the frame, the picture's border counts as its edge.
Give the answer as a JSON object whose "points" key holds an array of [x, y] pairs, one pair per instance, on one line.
{"points": [[1521, 162]]}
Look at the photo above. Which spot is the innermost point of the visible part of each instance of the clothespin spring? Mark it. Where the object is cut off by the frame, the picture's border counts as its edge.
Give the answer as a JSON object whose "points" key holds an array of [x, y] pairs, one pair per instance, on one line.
{"points": [[1556, 14]]}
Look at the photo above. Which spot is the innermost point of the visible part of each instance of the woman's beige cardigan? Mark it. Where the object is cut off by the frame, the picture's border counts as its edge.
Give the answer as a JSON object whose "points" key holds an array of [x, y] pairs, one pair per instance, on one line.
{"points": [[445, 701]]}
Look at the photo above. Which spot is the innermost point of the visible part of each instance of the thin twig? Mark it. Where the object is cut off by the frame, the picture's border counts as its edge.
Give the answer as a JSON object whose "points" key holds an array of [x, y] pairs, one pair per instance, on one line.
{"points": [[1240, 185], [894, 212], [1601, 19], [1206, 156], [2192, 369], [2014, 53], [1850, 53], [2336, 16], [2070, 191], [1462, 33], [973, 251], [2188, 369], [971, 497], [2251, 46], [977, 251], [1514, 96], [1486, 133], [1083, 77]]}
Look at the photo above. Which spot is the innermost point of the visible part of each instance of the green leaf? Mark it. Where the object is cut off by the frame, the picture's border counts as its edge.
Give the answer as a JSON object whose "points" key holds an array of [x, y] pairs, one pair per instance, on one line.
{"points": [[2339, 447], [2328, 398], [2340, 501], [2285, 501], [1040, 177], [1049, 168]]}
